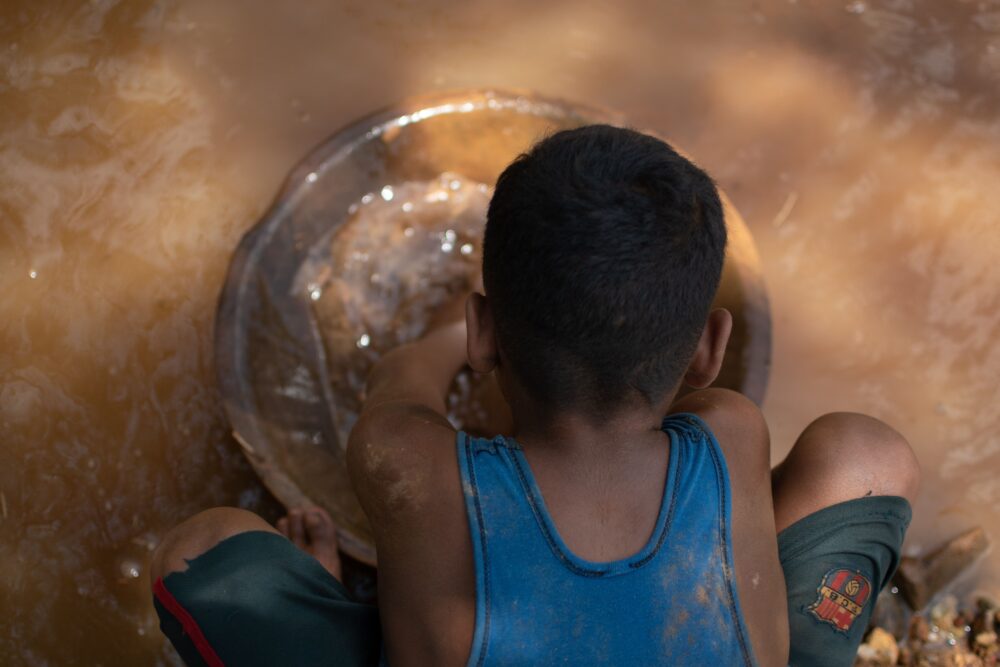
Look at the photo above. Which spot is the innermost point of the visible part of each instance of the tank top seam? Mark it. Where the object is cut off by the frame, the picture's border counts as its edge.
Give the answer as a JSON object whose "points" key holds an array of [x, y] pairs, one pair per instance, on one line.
{"points": [[540, 520], [469, 475], [729, 570], [669, 520], [622, 566]]}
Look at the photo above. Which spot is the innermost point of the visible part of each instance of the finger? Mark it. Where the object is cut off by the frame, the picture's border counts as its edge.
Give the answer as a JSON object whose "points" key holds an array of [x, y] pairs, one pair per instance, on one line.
{"points": [[320, 526], [297, 531]]}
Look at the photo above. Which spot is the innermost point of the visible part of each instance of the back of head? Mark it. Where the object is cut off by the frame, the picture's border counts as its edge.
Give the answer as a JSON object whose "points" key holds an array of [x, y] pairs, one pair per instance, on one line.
{"points": [[602, 255]]}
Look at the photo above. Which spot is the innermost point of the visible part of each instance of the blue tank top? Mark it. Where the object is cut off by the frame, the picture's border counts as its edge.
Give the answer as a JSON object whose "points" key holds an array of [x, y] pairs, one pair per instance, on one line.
{"points": [[537, 603]]}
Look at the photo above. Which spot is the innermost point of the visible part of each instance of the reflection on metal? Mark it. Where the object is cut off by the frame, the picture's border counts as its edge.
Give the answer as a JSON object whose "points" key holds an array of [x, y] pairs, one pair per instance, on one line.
{"points": [[272, 355]]}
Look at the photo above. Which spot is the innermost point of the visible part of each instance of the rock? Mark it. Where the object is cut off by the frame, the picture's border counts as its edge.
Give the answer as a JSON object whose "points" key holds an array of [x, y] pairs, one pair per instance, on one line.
{"points": [[919, 579], [939, 637], [986, 648], [891, 614], [919, 629], [884, 645], [984, 602], [944, 614], [986, 639], [985, 621]]}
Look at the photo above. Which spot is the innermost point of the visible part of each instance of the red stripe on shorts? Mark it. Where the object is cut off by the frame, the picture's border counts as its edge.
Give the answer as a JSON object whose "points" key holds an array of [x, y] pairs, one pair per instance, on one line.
{"points": [[187, 621]]}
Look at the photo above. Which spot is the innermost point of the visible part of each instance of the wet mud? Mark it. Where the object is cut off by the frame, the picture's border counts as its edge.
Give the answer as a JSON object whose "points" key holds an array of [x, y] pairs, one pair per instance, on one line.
{"points": [[140, 140]]}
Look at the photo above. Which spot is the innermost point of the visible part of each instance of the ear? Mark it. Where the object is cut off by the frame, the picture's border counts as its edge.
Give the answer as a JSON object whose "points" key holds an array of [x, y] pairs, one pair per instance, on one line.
{"points": [[707, 359], [482, 340]]}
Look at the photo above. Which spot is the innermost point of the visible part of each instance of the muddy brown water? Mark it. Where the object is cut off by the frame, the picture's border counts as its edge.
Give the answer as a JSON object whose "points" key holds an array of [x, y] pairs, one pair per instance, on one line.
{"points": [[139, 140]]}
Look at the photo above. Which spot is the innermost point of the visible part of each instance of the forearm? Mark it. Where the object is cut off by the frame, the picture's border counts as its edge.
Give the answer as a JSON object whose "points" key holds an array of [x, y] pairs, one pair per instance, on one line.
{"points": [[421, 371]]}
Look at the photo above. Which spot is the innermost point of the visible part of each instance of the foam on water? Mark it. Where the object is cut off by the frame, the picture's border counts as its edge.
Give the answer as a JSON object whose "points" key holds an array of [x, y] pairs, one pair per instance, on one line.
{"points": [[382, 275]]}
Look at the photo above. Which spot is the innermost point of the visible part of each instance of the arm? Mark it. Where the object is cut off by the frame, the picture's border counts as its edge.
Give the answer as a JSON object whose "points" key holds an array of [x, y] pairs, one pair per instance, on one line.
{"points": [[402, 464], [403, 431], [416, 376]]}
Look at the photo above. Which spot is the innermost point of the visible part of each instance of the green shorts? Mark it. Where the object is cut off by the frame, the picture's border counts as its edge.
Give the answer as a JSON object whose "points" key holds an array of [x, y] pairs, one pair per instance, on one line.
{"points": [[256, 600], [836, 561]]}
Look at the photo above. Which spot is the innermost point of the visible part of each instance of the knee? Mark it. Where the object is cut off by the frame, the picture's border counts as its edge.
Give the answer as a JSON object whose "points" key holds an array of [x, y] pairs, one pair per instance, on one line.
{"points": [[198, 534], [866, 451]]}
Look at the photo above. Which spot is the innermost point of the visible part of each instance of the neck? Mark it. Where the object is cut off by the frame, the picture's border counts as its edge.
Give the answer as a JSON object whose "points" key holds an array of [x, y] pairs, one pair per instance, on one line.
{"points": [[579, 432]]}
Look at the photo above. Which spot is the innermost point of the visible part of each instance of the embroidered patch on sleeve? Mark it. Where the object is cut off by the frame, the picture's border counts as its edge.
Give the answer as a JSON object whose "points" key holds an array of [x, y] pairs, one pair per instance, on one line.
{"points": [[842, 597]]}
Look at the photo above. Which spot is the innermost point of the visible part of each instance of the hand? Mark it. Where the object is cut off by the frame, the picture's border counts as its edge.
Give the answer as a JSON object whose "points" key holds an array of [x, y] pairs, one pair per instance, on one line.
{"points": [[452, 310], [449, 312]]}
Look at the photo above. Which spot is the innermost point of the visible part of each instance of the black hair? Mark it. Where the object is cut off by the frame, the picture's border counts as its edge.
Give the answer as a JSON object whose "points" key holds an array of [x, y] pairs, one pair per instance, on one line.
{"points": [[602, 255]]}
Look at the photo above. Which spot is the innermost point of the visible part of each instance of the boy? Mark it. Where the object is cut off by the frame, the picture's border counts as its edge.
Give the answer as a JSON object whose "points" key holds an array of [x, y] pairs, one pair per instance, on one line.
{"points": [[597, 531]]}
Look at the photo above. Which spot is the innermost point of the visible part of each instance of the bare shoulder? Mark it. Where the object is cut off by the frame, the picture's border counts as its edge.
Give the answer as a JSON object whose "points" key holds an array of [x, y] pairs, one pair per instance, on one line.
{"points": [[738, 425], [396, 454], [403, 465]]}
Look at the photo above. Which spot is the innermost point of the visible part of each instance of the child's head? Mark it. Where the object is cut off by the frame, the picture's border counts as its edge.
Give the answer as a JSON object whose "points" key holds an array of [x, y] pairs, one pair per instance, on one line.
{"points": [[602, 255]]}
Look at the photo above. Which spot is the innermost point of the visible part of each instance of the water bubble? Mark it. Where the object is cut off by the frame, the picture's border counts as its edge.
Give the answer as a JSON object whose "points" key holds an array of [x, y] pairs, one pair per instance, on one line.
{"points": [[364, 341], [407, 206], [130, 569], [352, 209], [311, 178], [455, 184], [450, 236], [315, 292], [466, 249], [408, 232], [447, 247], [367, 199], [856, 7], [32, 274], [387, 193]]}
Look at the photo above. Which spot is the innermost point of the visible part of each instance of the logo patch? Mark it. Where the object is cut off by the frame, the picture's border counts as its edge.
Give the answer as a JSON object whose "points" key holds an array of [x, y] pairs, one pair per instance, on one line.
{"points": [[842, 596]]}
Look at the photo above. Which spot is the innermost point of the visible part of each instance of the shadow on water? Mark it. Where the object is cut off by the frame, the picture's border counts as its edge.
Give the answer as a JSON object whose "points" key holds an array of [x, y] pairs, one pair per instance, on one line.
{"points": [[139, 140]]}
